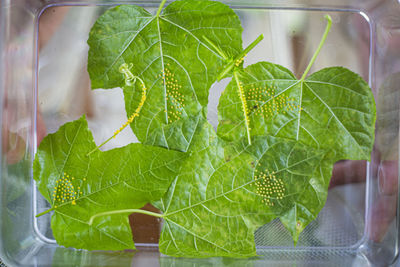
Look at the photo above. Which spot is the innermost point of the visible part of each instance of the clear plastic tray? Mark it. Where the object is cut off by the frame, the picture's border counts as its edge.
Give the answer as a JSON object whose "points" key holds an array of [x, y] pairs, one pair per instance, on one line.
{"points": [[44, 83]]}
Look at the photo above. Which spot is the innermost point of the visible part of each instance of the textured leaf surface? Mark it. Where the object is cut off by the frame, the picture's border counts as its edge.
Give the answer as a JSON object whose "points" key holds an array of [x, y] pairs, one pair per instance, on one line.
{"points": [[215, 205], [294, 179], [310, 200], [168, 52], [80, 186], [332, 109]]}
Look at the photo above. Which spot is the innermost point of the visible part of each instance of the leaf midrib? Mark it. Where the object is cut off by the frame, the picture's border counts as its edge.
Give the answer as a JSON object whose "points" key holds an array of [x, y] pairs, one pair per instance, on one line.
{"points": [[191, 34], [136, 33], [163, 72], [300, 108]]}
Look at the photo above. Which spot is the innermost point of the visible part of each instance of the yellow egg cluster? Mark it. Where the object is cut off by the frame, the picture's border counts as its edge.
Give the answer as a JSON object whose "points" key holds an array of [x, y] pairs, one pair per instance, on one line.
{"points": [[269, 187], [175, 99], [268, 103], [244, 105], [239, 61], [64, 191], [136, 113]]}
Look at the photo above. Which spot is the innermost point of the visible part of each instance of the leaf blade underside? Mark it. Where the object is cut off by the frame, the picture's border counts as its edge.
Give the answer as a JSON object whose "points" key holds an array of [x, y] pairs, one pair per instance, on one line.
{"points": [[333, 110], [79, 186], [168, 53], [323, 117], [214, 207]]}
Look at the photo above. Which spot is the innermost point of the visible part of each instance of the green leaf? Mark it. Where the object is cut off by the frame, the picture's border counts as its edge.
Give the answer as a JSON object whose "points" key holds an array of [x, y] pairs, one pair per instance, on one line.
{"points": [[170, 54], [214, 206], [332, 109], [298, 173], [79, 186], [311, 201]]}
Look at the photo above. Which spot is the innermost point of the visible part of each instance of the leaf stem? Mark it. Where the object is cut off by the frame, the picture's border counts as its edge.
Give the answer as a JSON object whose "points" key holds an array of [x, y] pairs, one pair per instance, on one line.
{"points": [[98, 147], [240, 57], [220, 52], [130, 119], [124, 211], [44, 212], [244, 106], [251, 46], [236, 62], [328, 27], [160, 8]]}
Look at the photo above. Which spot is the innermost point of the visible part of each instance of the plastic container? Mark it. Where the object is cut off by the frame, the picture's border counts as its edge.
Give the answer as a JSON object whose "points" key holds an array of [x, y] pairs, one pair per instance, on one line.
{"points": [[43, 84]]}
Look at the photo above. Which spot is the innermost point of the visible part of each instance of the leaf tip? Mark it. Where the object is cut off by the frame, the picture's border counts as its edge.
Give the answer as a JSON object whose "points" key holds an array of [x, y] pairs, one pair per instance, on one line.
{"points": [[298, 230]]}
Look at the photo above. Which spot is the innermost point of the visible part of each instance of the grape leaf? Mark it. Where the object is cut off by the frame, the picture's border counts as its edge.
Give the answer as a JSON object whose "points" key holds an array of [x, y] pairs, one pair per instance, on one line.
{"points": [[79, 186], [332, 108], [214, 205], [169, 54]]}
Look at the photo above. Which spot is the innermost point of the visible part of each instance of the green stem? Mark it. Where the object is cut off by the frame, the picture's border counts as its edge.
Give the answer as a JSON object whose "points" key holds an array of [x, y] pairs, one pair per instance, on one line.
{"points": [[124, 211], [251, 46], [244, 106], [328, 27], [231, 64], [98, 147], [108, 140], [44, 212], [160, 8], [220, 52]]}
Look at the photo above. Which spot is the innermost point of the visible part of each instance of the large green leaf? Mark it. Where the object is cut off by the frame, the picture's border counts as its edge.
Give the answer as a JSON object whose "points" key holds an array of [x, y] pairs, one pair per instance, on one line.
{"points": [[332, 109], [79, 186], [169, 53], [215, 204], [302, 175]]}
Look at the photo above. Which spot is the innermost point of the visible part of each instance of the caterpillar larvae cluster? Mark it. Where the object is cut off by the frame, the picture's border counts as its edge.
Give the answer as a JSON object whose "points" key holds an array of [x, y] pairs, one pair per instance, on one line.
{"points": [[269, 187], [175, 99], [64, 191], [268, 104]]}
